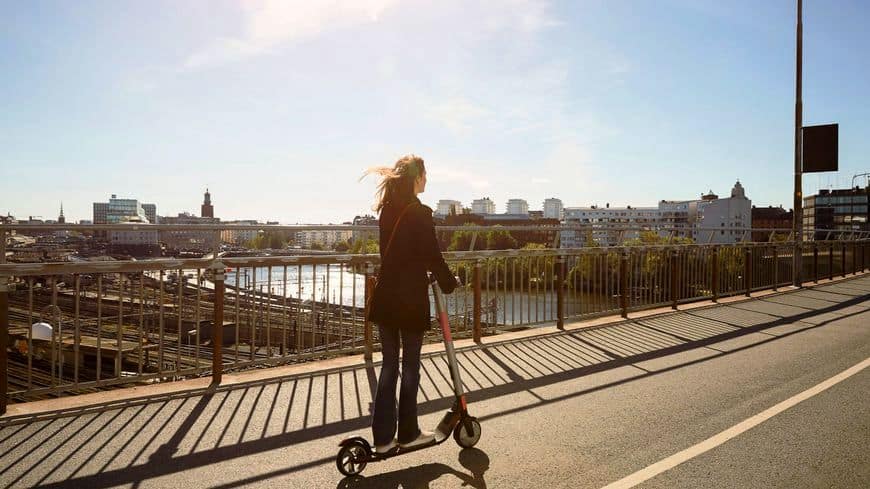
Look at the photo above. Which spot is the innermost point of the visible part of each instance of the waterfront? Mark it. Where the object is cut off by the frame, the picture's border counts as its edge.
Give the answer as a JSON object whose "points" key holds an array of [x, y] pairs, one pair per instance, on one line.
{"points": [[337, 284]]}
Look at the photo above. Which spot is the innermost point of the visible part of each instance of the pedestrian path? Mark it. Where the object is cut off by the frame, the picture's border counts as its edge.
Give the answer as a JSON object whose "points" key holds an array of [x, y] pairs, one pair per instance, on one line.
{"points": [[119, 439]]}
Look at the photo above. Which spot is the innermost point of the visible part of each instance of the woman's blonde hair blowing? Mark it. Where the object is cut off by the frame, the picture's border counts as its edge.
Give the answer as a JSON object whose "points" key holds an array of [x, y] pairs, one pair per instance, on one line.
{"points": [[397, 183]]}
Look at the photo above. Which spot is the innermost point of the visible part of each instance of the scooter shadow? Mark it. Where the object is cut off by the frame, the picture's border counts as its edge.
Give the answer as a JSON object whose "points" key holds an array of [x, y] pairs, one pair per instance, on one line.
{"points": [[419, 477]]}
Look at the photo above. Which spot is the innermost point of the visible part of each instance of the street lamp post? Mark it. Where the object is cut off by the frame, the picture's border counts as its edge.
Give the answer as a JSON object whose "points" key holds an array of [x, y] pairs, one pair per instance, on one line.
{"points": [[798, 122]]}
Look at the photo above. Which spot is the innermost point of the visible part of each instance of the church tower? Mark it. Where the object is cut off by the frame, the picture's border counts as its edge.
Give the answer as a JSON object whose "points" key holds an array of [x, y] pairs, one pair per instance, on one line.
{"points": [[207, 209]]}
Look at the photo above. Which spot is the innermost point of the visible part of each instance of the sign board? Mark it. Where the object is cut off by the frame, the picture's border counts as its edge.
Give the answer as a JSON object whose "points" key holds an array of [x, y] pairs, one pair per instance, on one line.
{"points": [[820, 148]]}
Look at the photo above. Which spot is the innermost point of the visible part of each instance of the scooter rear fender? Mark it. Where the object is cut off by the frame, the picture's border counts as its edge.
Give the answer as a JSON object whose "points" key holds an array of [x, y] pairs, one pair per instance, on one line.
{"points": [[348, 441]]}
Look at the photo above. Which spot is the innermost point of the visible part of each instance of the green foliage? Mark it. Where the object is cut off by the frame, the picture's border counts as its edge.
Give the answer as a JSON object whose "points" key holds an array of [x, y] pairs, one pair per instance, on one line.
{"points": [[267, 240], [365, 246], [461, 241], [499, 239], [341, 246], [651, 238]]}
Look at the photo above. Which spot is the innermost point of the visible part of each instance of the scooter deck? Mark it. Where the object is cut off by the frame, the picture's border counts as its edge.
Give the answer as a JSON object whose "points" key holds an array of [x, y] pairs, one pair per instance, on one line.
{"points": [[399, 450]]}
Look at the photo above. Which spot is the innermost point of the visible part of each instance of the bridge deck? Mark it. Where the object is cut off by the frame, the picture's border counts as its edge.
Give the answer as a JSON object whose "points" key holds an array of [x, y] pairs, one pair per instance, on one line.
{"points": [[281, 426]]}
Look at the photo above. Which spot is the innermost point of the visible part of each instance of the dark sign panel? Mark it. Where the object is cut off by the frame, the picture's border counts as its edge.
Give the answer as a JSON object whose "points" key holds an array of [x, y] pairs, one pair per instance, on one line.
{"points": [[820, 148]]}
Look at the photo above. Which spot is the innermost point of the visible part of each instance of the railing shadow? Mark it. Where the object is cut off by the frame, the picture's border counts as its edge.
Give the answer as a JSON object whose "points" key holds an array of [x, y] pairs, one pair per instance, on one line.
{"points": [[122, 444]]}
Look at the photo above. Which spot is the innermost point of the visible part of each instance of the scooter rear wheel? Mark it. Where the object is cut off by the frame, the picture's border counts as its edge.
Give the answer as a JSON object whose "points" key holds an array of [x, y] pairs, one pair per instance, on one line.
{"points": [[351, 459], [463, 439]]}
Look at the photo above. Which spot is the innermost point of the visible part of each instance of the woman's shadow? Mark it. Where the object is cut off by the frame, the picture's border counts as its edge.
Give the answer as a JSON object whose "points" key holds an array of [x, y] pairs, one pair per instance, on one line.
{"points": [[419, 477]]}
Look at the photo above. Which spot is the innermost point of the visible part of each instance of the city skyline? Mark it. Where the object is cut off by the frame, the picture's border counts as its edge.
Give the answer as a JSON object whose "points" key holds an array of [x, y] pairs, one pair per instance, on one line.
{"points": [[279, 107], [500, 208]]}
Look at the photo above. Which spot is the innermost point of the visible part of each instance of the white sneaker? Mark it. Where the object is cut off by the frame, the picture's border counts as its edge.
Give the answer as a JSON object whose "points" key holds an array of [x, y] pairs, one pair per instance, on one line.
{"points": [[423, 438], [382, 449]]}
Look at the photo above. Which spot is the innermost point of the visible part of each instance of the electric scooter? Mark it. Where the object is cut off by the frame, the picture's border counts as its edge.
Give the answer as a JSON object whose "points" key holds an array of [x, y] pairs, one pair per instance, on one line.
{"points": [[356, 452]]}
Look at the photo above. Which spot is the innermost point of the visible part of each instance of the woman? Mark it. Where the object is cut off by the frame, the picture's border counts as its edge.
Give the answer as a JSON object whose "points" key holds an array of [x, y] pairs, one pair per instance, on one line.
{"points": [[400, 301]]}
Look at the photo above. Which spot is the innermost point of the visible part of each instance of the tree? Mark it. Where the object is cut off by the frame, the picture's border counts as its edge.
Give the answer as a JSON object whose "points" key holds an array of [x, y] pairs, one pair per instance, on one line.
{"points": [[365, 246], [499, 239], [461, 241], [341, 246], [649, 238], [268, 239]]}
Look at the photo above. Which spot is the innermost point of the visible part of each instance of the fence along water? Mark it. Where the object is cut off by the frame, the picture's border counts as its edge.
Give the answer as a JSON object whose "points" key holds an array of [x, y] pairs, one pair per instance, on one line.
{"points": [[79, 327]]}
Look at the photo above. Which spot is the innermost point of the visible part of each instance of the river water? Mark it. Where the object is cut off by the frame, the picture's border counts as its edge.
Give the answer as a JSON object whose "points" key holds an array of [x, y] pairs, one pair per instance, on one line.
{"points": [[337, 284]]}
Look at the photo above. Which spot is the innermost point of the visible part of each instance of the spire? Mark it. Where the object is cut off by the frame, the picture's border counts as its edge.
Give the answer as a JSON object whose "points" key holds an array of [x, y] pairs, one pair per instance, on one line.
{"points": [[60, 218], [207, 210], [738, 190]]}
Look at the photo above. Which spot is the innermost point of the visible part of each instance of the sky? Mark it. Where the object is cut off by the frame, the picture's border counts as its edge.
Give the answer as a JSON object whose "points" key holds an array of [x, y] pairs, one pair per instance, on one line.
{"points": [[278, 107]]}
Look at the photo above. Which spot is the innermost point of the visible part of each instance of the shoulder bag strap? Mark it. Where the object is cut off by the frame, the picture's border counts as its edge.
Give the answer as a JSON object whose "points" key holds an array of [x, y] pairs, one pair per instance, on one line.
{"points": [[395, 228]]}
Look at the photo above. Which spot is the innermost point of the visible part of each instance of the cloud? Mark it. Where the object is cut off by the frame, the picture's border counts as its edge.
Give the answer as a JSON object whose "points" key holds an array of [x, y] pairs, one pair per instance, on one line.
{"points": [[268, 24], [528, 16], [457, 114], [447, 174]]}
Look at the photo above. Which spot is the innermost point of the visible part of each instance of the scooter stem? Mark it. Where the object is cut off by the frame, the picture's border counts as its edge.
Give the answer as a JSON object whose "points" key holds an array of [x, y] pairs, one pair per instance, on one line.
{"points": [[441, 309]]}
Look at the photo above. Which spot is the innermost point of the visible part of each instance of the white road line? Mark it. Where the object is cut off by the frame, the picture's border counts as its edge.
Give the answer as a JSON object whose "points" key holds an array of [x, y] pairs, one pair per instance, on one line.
{"points": [[716, 440]]}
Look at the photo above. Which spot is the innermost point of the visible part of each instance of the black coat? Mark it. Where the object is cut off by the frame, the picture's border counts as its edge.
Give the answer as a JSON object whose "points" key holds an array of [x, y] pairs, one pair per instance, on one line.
{"points": [[401, 297]]}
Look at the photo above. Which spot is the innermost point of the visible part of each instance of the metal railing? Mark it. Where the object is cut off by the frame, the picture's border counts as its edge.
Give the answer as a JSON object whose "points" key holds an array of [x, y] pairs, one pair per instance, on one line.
{"points": [[79, 327]]}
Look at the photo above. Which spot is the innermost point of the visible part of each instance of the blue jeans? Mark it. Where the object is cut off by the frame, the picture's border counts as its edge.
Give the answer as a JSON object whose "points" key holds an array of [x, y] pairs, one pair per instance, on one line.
{"points": [[384, 416]]}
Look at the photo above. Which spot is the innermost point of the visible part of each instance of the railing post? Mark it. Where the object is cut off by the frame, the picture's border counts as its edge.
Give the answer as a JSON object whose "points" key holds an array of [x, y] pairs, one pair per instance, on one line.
{"points": [[560, 292], [747, 270], [831, 261], [843, 260], [861, 247], [217, 330], [4, 325], [798, 263], [4, 339], [776, 268], [715, 285], [674, 278], [854, 258], [815, 263], [864, 247], [369, 289], [623, 282], [477, 300]]}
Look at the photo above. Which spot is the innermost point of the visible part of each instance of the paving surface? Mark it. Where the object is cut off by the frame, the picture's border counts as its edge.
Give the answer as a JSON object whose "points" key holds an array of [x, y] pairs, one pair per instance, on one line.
{"points": [[580, 408]]}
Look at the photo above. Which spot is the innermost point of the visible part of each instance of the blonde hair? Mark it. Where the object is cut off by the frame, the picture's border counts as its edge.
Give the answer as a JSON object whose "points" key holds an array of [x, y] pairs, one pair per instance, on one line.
{"points": [[397, 183]]}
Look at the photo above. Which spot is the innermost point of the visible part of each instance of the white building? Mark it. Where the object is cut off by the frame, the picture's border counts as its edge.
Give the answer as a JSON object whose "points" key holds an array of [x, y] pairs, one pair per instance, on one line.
{"points": [[604, 223], [675, 216], [123, 210], [483, 206], [188, 238], [710, 214], [698, 219], [327, 238], [239, 236], [138, 237], [517, 206], [448, 207], [553, 209]]}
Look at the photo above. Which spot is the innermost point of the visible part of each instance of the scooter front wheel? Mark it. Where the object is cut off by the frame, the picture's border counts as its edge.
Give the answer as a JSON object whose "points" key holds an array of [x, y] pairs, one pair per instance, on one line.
{"points": [[351, 459], [461, 435]]}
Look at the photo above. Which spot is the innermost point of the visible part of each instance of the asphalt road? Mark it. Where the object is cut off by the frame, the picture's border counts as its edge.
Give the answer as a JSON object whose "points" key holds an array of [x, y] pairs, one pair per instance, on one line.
{"points": [[579, 409]]}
